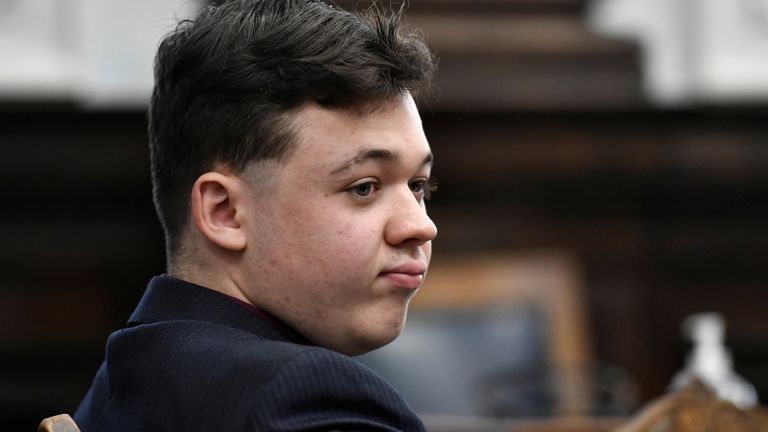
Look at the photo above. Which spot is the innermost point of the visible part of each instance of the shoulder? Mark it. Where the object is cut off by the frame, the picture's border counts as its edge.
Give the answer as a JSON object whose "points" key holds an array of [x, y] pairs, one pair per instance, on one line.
{"points": [[227, 376], [190, 339], [318, 389]]}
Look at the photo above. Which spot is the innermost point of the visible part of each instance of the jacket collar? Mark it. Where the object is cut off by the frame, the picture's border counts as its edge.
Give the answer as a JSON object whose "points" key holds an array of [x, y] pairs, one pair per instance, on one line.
{"points": [[171, 299]]}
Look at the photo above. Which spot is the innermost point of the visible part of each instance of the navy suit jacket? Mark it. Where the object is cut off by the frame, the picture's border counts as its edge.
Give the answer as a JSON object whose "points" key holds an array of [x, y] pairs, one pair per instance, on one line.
{"points": [[192, 359]]}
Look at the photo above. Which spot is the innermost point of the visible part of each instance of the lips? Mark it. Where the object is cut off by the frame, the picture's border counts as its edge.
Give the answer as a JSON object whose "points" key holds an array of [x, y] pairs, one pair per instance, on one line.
{"points": [[409, 275]]}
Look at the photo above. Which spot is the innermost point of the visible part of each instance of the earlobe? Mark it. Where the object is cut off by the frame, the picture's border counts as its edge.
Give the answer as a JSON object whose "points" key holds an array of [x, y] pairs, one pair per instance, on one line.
{"points": [[214, 210]]}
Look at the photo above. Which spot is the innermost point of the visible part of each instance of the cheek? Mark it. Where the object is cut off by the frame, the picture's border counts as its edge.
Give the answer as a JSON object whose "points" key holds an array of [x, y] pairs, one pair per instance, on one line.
{"points": [[319, 234], [426, 249], [355, 246], [352, 234], [343, 228]]}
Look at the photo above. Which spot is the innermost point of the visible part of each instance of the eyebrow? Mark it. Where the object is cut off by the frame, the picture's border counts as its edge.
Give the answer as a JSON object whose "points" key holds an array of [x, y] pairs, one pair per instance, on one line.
{"points": [[374, 154]]}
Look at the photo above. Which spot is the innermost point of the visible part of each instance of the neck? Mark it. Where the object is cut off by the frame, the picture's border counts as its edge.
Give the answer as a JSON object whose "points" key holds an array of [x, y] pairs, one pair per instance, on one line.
{"points": [[216, 278]]}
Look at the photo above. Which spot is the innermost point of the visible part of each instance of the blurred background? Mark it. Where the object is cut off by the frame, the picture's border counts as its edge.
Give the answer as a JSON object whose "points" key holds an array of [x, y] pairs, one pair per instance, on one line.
{"points": [[610, 157]]}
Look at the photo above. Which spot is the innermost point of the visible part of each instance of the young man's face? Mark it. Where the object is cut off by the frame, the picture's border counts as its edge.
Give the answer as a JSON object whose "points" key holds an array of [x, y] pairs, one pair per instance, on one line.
{"points": [[339, 244]]}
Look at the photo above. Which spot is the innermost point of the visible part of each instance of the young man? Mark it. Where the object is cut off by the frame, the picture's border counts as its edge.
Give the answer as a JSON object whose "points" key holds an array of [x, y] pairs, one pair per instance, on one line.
{"points": [[290, 171]]}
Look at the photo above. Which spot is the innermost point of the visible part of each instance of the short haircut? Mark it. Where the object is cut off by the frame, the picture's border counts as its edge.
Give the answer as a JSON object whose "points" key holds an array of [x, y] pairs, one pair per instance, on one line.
{"points": [[226, 82]]}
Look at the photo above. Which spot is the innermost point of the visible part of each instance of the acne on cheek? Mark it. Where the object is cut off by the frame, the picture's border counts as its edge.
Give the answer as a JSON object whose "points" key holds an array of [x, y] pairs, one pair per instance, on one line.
{"points": [[349, 239]]}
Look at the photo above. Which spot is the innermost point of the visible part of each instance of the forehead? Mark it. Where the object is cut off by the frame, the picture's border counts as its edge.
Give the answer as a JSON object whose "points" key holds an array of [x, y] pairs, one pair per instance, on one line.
{"points": [[327, 136]]}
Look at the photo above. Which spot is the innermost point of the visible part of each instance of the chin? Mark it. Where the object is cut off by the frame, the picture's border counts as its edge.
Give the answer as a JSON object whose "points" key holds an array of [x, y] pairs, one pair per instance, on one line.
{"points": [[371, 329], [378, 338], [367, 346]]}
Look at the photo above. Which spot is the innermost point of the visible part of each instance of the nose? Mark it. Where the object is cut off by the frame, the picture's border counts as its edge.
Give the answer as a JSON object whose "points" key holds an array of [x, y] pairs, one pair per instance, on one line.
{"points": [[409, 223]]}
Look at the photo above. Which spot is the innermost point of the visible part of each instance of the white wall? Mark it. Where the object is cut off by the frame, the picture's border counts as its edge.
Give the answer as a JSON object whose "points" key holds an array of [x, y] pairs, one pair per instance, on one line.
{"points": [[708, 51], [96, 52]]}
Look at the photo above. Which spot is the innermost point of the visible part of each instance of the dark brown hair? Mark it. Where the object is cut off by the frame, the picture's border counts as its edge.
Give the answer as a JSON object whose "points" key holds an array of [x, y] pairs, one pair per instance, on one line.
{"points": [[226, 82]]}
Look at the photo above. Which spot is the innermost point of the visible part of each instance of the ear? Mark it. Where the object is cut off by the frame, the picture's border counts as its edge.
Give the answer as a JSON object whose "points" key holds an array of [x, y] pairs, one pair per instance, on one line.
{"points": [[215, 201]]}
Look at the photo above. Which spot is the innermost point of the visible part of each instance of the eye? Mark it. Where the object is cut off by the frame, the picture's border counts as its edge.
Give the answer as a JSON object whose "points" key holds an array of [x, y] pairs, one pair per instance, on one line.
{"points": [[364, 190], [423, 188]]}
